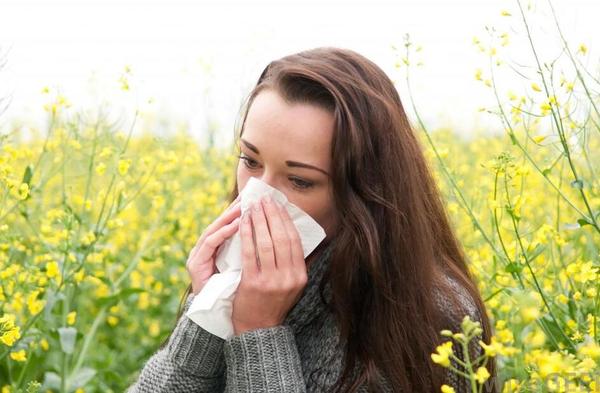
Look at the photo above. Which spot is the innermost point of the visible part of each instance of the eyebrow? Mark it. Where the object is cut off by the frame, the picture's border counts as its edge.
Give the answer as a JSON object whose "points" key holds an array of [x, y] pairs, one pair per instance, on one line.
{"points": [[289, 163]]}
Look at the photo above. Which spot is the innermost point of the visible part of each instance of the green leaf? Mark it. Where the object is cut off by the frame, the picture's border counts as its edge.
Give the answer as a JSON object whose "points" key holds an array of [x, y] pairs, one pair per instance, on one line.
{"points": [[120, 295], [546, 171], [52, 297], [513, 268], [119, 200], [27, 175], [51, 381], [82, 377], [553, 329], [572, 307], [538, 249], [67, 339], [582, 222]]}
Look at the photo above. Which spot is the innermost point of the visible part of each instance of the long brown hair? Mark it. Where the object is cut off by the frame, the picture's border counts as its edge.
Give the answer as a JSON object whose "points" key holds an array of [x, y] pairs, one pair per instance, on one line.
{"points": [[394, 241]]}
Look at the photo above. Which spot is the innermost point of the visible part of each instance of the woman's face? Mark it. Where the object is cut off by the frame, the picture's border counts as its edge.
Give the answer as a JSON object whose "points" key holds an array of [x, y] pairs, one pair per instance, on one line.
{"points": [[288, 147]]}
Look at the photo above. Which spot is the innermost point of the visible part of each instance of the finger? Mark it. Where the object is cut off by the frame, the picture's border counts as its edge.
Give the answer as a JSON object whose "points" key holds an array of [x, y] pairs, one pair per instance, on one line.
{"points": [[249, 263], [234, 210], [264, 244], [212, 242], [226, 217], [279, 235], [234, 202], [296, 250]]}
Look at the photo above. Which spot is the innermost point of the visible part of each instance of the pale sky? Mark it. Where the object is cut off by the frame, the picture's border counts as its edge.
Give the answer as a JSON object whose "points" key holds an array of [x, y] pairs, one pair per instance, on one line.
{"points": [[82, 47]]}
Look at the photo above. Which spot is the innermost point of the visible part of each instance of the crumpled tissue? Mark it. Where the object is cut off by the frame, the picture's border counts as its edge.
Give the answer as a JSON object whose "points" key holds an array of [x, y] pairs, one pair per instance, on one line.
{"points": [[211, 308]]}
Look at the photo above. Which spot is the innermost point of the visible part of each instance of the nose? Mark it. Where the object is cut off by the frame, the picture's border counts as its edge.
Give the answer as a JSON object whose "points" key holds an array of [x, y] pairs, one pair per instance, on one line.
{"points": [[268, 178]]}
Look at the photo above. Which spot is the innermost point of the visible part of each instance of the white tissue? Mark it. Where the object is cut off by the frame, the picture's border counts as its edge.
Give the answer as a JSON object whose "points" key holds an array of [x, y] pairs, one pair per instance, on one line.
{"points": [[212, 306]]}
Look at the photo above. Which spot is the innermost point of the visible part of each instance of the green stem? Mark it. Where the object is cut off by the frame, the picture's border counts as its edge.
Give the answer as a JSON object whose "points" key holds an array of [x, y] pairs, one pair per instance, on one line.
{"points": [[449, 177], [560, 130], [533, 275]]}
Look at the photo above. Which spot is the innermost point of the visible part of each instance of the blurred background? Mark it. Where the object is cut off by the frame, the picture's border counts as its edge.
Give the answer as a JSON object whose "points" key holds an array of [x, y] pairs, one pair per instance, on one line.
{"points": [[193, 62]]}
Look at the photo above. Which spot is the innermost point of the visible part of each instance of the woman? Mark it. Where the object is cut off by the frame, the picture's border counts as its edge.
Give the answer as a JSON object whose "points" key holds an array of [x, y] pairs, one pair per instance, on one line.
{"points": [[365, 310]]}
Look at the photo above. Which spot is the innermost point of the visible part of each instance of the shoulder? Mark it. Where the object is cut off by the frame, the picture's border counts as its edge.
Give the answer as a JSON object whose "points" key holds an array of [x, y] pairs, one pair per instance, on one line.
{"points": [[454, 302]]}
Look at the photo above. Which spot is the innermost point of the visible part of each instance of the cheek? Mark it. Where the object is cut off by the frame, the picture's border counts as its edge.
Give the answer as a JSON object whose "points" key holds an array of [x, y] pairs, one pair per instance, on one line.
{"points": [[318, 206], [242, 177]]}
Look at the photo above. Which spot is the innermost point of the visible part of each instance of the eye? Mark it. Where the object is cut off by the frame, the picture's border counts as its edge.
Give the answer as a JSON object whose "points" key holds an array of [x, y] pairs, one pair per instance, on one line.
{"points": [[301, 184], [248, 162], [298, 183]]}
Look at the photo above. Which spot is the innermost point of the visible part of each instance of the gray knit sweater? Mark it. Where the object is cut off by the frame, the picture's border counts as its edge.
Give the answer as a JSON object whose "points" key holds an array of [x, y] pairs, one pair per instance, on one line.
{"points": [[301, 355]]}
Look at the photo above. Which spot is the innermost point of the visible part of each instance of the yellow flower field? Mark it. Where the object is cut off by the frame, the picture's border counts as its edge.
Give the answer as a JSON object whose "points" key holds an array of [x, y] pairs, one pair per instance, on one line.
{"points": [[96, 226]]}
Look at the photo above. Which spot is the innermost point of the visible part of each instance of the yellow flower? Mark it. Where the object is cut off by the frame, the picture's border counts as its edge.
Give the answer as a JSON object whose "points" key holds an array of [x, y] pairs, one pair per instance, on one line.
{"points": [[143, 301], [154, 329], [112, 320], [569, 86], [583, 49], [79, 276], [44, 344], [442, 357], [478, 73], [52, 269], [545, 107], [10, 336], [511, 386], [18, 356], [88, 238], [505, 13], [107, 151], [587, 272], [482, 374], [23, 191], [34, 304], [535, 87], [101, 168], [493, 348], [124, 166], [71, 317], [530, 313], [75, 144], [447, 389]]}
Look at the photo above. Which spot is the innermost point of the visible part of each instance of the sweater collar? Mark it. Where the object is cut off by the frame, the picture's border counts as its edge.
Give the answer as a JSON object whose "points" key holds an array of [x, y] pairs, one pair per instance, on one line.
{"points": [[310, 304]]}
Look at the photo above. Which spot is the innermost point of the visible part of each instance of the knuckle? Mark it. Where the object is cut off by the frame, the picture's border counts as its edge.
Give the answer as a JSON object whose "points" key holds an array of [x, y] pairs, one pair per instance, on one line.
{"points": [[265, 246], [302, 279], [247, 253], [246, 230], [280, 238], [294, 236]]}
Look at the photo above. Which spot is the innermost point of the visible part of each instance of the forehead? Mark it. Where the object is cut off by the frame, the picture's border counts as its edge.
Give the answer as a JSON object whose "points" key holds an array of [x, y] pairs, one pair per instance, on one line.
{"points": [[297, 132]]}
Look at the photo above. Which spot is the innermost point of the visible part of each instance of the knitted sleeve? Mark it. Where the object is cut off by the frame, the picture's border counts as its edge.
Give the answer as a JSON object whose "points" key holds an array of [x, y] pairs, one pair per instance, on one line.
{"points": [[263, 360], [191, 361]]}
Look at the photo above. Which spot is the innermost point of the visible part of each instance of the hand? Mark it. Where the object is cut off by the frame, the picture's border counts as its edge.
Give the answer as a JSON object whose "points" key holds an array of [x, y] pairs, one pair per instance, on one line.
{"points": [[267, 292], [201, 261]]}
